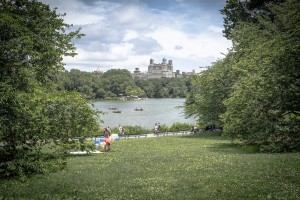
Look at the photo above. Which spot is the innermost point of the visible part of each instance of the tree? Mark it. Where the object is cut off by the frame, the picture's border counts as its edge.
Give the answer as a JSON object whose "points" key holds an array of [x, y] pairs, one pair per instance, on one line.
{"points": [[263, 107], [253, 93], [177, 88], [236, 12], [113, 72], [205, 99], [33, 40]]}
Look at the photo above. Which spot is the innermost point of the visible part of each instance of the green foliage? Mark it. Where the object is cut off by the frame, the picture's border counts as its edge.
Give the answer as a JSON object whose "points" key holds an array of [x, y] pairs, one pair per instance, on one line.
{"points": [[118, 82], [164, 128], [135, 130], [70, 116], [180, 127], [254, 92], [236, 12], [268, 91], [33, 40], [205, 99]]}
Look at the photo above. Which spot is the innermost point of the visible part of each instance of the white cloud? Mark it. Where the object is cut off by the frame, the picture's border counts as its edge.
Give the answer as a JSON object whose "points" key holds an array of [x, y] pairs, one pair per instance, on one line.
{"points": [[215, 29], [193, 46], [130, 34], [127, 35]]}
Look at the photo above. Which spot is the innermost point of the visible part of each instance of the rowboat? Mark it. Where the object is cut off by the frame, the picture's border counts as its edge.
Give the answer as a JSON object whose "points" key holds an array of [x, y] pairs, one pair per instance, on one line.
{"points": [[138, 109]]}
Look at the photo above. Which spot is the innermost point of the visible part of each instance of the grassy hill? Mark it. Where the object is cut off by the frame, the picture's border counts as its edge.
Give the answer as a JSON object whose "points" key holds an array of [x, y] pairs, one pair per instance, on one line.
{"points": [[201, 166]]}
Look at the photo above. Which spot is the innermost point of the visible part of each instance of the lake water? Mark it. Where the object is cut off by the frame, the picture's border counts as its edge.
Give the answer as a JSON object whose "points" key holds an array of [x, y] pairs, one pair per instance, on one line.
{"points": [[164, 111]]}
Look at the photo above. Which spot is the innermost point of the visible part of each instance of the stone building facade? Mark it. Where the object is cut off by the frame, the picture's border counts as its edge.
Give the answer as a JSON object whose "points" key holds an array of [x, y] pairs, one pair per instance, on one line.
{"points": [[157, 70], [160, 70]]}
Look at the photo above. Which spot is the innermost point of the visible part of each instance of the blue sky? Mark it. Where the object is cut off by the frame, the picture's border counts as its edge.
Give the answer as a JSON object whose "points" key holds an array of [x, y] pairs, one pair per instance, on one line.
{"points": [[125, 34]]}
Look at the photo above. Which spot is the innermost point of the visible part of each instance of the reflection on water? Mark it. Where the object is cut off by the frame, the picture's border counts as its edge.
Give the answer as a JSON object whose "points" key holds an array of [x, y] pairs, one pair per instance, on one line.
{"points": [[164, 111]]}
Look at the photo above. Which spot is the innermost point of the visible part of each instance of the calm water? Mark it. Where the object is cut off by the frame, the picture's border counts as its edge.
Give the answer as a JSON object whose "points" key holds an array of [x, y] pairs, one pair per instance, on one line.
{"points": [[164, 111]]}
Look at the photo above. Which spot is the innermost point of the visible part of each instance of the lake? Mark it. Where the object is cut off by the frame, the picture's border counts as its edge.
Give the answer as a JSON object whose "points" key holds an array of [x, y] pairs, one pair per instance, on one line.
{"points": [[164, 111]]}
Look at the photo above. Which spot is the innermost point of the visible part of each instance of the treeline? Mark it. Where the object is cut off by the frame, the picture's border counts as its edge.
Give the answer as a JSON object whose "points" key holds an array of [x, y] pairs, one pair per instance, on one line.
{"points": [[119, 82], [254, 93]]}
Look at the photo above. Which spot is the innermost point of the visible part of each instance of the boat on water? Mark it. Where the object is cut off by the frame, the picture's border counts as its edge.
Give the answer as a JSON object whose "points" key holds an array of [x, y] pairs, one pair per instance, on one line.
{"points": [[138, 109], [117, 111], [112, 108]]}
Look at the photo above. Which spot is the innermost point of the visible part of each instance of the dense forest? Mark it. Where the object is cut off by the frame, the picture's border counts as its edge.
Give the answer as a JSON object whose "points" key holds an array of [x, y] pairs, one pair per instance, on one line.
{"points": [[253, 94], [116, 83]]}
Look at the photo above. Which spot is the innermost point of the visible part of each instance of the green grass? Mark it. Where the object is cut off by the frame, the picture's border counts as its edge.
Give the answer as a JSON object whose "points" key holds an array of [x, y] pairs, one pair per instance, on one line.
{"points": [[201, 166]]}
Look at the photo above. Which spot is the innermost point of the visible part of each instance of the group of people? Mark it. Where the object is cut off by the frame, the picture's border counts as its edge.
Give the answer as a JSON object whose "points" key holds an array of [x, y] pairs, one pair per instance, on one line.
{"points": [[194, 129], [107, 132]]}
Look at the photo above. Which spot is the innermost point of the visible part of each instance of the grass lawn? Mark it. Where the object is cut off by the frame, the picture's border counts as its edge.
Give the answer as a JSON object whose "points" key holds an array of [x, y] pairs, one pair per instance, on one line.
{"points": [[201, 166]]}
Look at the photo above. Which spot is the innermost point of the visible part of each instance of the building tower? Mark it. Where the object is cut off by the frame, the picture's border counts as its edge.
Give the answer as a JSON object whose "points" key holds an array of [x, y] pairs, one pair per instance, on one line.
{"points": [[151, 61]]}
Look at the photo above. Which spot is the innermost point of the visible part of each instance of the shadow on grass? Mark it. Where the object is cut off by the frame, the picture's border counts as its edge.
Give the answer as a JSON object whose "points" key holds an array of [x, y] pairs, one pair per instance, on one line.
{"points": [[206, 136], [235, 147], [226, 147]]}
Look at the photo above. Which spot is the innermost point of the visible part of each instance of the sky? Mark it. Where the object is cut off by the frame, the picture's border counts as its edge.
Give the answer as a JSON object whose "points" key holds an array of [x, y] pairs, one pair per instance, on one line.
{"points": [[126, 34]]}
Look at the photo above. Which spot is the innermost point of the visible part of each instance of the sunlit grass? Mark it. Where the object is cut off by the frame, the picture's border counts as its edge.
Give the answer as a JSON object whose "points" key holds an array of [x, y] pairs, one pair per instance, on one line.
{"points": [[185, 167]]}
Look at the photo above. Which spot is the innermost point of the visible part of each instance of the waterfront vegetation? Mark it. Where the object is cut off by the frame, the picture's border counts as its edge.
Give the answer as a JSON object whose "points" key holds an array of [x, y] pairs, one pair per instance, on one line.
{"points": [[200, 166], [137, 130], [118, 83]]}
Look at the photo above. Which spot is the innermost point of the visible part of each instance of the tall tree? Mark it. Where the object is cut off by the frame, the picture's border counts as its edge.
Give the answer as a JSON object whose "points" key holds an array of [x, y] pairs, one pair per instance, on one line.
{"points": [[205, 99], [254, 92], [264, 106], [237, 11], [33, 40]]}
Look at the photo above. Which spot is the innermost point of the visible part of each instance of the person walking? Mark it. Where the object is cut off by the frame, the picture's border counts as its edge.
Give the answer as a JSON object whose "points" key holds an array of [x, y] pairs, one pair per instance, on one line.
{"points": [[121, 130], [156, 129]]}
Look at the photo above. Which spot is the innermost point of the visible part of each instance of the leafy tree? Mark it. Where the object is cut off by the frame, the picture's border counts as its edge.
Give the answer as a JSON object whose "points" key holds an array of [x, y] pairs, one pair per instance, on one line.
{"points": [[33, 40], [264, 105], [112, 72], [253, 93], [119, 81], [146, 85], [177, 88], [205, 99], [236, 12]]}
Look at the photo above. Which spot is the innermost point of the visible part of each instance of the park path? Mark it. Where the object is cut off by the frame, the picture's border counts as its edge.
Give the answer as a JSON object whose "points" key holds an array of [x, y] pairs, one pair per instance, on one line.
{"points": [[152, 135]]}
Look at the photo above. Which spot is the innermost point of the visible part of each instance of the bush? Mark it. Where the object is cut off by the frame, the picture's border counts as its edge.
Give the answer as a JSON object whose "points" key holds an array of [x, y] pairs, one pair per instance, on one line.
{"points": [[21, 167], [180, 127], [164, 128], [135, 130]]}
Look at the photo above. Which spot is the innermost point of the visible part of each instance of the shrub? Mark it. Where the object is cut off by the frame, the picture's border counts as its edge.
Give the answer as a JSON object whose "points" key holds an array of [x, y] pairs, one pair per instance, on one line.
{"points": [[180, 127], [135, 130]]}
